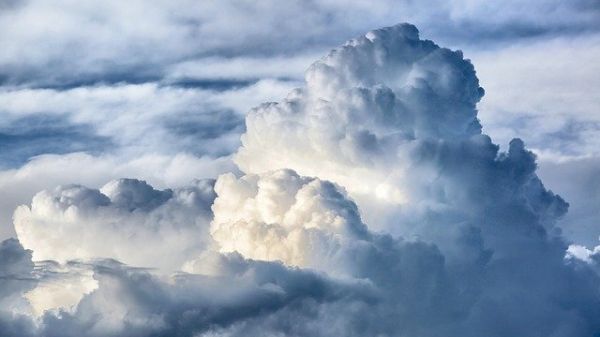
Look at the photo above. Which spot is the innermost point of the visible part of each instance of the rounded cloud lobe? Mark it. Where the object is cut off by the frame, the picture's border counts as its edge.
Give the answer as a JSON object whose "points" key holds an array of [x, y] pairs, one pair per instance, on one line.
{"points": [[370, 204], [126, 220], [281, 216]]}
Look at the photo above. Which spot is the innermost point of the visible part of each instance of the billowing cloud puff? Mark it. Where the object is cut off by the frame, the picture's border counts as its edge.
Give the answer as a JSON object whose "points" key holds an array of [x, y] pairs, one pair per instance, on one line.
{"points": [[282, 216], [126, 219]]}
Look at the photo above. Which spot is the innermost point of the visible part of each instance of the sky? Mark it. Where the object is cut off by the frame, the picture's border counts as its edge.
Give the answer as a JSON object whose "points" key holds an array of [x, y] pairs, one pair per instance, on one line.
{"points": [[319, 168]]}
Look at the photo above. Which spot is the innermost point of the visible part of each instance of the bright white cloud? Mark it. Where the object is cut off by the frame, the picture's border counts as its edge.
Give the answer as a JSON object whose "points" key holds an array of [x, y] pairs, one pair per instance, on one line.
{"points": [[415, 93], [280, 216], [48, 171], [126, 220]]}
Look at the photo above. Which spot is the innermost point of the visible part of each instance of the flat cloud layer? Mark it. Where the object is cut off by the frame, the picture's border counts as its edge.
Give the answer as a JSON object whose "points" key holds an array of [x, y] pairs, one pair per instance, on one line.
{"points": [[369, 203], [136, 42]]}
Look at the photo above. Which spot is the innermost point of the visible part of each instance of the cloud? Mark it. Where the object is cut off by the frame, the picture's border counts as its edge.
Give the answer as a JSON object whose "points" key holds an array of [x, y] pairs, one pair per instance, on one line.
{"points": [[230, 294], [163, 134], [15, 275], [145, 227], [281, 216], [416, 93], [400, 160], [60, 287], [582, 189], [30, 136], [130, 302], [137, 68], [137, 49], [355, 283], [369, 203], [144, 118], [422, 168], [555, 94], [47, 171], [15, 279], [464, 291]]}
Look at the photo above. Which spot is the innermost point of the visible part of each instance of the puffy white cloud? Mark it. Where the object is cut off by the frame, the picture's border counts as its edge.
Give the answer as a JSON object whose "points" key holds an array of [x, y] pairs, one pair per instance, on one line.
{"points": [[47, 45], [126, 220], [387, 116], [282, 216], [392, 119], [582, 253], [47, 171], [325, 122]]}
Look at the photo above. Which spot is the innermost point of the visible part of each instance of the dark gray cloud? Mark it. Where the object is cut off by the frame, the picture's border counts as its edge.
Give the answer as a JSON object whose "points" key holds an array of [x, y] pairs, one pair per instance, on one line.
{"points": [[16, 277], [16, 272], [578, 181], [98, 120], [193, 304], [25, 137]]}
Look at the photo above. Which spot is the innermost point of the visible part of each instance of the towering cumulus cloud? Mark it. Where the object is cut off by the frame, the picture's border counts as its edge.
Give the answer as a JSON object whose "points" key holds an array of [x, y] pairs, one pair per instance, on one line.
{"points": [[363, 108], [369, 203], [393, 120]]}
